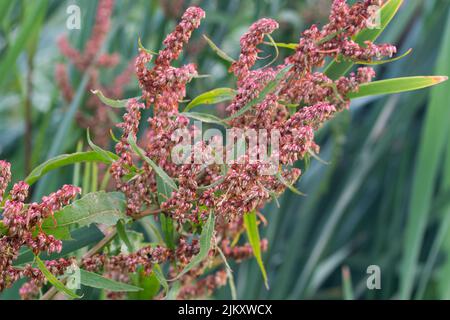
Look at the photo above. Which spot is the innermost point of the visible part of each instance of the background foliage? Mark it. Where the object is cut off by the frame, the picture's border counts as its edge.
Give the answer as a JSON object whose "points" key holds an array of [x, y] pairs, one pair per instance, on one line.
{"points": [[382, 199]]}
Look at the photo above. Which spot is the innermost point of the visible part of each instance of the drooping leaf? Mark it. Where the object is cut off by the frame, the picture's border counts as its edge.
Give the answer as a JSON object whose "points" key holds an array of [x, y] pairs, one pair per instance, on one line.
{"points": [[205, 246], [160, 172], [253, 238], [204, 117], [105, 154], [94, 280], [395, 85], [64, 160], [111, 102], [54, 281], [291, 46], [217, 50], [379, 62], [211, 97], [96, 207], [289, 185]]}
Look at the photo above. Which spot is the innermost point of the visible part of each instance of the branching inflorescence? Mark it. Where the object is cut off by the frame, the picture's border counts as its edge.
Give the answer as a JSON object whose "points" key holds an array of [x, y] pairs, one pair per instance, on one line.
{"points": [[202, 189]]}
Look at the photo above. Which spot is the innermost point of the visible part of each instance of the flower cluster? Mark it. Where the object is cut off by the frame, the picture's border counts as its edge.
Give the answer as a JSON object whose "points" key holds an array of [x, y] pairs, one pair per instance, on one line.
{"points": [[90, 61], [23, 228], [241, 189], [301, 100]]}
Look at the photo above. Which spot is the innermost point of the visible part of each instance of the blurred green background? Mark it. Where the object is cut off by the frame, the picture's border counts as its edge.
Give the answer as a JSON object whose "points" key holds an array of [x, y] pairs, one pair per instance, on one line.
{"points": [[382, 200]]}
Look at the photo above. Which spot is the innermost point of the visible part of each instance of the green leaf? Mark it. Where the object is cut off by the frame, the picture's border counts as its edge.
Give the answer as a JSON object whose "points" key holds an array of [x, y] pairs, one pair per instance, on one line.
{"points": [[204, 117], [97, 207], [217, 50], [427, 175], [32, 20], [269, 88], [337, 69], [347, 284], [145, 49], [94, 280], [255, 241], [395, 85], [54, 281], [64, 160], [379, 62], [288, 185], [205, 246], [160, 276], [122, 232], [3, 229], [211, 97], [105, 154], [149, 284], [160, 172], [291, 46], [111, 102]]}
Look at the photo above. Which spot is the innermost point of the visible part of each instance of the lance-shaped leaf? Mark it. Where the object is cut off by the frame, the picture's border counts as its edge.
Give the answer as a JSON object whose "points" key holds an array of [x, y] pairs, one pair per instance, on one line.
{"points": [[111, 102], [94, 280], [204, 117], [395, 85], [97, 207], [217, 50], [160, 276], [379, 62], [337, 69], [105, 154], [205, 246], [291, 46], [160, 172], [54, 281], [253, 238], [211, 97], [65, 160]]}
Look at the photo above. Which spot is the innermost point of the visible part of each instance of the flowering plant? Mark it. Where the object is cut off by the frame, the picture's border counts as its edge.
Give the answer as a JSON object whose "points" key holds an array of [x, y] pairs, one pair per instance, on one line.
{"points": [[200, 206]]}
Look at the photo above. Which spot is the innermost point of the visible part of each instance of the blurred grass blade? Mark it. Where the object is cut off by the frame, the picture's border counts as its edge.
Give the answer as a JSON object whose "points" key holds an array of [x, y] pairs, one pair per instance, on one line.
{"points": [[347, 284], [337, 69], [253, 238], [431, 150], [211, 97], [34, 14], [396, 85]]}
